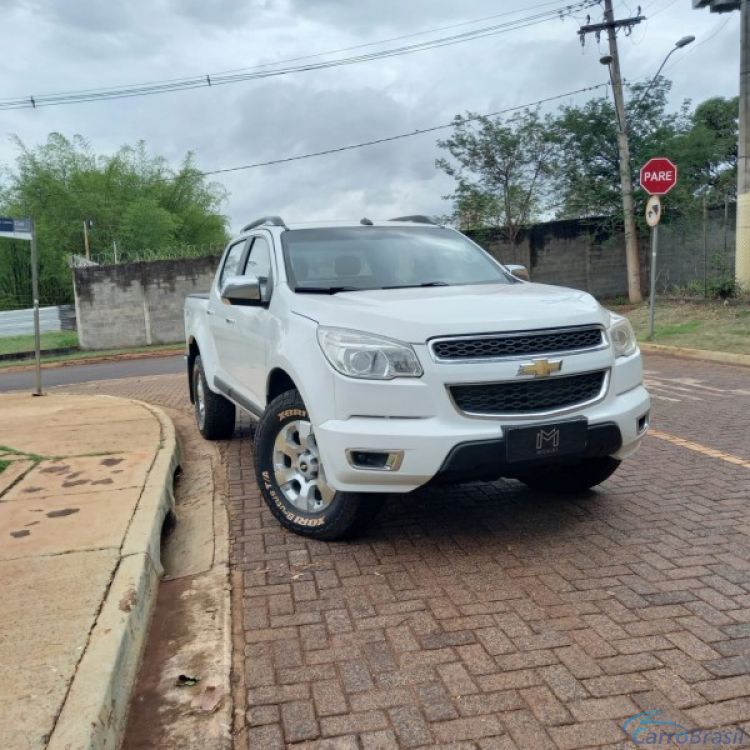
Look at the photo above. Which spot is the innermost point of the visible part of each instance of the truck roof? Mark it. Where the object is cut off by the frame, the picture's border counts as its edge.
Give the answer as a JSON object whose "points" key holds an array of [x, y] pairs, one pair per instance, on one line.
{"points": [[353, 224], [277, 221]]}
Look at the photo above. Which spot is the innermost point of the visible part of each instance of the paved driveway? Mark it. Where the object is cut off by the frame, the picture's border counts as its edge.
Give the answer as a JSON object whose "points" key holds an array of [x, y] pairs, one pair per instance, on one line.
{"points": [[491, 617]]}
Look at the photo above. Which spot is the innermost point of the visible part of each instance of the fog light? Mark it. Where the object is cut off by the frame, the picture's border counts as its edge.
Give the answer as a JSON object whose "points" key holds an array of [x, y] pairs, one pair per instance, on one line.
{"points": [[375, 460]]}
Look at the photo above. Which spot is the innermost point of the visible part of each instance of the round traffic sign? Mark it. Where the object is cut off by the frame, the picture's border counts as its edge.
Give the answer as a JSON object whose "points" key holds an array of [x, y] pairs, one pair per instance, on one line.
{"points": [[658, 176], [653, 211]]}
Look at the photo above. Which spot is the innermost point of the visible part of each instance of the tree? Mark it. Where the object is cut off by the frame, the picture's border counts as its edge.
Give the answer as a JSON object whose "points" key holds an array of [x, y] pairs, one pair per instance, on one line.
{"points": [[589, 176], [703, 143], [145, 224], [512, 172], [707, 152], [501, 167], [132, 197]]}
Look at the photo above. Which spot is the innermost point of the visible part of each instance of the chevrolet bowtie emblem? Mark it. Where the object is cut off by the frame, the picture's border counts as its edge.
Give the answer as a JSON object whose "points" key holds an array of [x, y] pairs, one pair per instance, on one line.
{"points": [[541, 368]]}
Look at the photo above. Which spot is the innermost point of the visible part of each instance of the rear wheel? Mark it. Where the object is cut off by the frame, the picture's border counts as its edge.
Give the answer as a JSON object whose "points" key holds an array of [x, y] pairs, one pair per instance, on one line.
{"points": [[292, 478], [570, 479], [214, 414]]}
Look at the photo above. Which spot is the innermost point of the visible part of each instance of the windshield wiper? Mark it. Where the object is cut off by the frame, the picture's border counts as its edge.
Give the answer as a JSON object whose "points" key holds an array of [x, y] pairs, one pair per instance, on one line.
{"points": [[328, 289], [417, 286], [337, 289]]}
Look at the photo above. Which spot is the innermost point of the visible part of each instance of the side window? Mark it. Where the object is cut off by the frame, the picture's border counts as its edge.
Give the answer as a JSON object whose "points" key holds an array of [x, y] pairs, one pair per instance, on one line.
{"points": [[259, 265], [232, 263]]}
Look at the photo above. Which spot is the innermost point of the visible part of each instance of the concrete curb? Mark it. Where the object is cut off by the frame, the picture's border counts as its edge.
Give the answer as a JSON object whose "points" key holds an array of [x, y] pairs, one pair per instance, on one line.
{"points": [[23, 365], [726, 358], [22, 357], [94, 714]]}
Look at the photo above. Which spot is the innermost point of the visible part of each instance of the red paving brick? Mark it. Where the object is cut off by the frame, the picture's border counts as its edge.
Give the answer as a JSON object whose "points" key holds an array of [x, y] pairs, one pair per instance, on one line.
{"points": [[484, 616]]}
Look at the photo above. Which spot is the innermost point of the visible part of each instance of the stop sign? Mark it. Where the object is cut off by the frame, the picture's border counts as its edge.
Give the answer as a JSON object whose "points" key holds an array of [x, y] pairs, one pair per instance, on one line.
{"points": [[658, 176]]}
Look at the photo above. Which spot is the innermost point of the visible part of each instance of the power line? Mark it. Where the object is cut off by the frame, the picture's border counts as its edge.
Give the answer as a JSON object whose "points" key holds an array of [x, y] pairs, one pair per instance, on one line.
{"points": [[215, 76], [399, 136], [220, 79], [387, 139], [391, 39], [663, 8], [720, 26]]}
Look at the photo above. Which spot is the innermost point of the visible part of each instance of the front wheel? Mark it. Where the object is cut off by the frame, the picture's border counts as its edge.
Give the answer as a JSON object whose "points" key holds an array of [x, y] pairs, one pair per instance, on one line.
{"points": [[292, 478], [570, 479]]}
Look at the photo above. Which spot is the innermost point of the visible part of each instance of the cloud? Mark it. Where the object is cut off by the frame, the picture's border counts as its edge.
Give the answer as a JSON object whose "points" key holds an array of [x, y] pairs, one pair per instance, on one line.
{"points": [[404, 17], [222, 13]]}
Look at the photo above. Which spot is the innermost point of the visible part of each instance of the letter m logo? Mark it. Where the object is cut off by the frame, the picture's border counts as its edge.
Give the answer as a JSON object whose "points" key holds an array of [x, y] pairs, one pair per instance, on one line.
{"points": [[548, 438]]}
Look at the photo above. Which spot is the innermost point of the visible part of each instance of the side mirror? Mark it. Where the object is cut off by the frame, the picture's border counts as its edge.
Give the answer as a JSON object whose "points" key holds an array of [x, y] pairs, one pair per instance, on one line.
{"points": [[242, 290], [520, 272]]}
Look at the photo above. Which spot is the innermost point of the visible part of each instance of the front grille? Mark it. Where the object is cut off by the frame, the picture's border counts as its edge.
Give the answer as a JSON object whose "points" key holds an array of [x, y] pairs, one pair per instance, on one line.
{"points": [[528, 396], [518, 345]]}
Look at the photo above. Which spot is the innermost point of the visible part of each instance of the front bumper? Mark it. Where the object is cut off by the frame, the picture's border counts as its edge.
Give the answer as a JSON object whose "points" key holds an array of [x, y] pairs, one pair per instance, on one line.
{"points": [[432, 445]]}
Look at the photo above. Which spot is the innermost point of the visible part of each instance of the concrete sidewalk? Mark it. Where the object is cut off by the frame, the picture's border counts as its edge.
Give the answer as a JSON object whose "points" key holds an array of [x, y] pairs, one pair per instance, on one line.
{"points": [[82, 503]]}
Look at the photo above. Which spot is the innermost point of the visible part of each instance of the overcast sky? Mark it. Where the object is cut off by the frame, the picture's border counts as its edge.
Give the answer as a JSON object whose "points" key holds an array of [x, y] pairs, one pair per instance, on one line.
{"points": [[61, 45]]}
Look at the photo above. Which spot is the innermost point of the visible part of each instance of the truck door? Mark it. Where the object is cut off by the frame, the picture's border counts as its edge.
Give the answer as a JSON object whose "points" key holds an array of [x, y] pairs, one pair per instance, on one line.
{"points": [[222, 317], [246, 358]]}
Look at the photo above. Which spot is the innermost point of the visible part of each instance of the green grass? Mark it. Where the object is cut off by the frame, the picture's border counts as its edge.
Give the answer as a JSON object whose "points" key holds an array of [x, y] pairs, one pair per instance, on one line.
{"points": [[3, 465], [7, 452], [677, 329], [692, 325], [94, 354], [52, 340]]}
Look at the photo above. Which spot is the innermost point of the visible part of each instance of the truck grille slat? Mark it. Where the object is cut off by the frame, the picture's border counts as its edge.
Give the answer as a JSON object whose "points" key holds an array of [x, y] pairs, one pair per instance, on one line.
{"points": [[529, 396], [517, 344]]}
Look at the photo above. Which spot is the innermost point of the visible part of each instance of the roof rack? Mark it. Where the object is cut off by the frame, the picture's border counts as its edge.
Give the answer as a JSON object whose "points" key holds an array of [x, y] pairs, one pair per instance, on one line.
{"points": [[416, 218], [274, 221]]}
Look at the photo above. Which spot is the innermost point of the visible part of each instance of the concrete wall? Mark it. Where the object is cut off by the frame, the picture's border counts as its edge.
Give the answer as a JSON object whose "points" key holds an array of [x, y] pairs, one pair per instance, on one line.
{"points": [[579, 254], [589, 254], [137, 304]]}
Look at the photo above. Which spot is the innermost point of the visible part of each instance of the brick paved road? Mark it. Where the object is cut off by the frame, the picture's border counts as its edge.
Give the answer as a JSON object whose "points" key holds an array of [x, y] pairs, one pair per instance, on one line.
{"points": [[489, 617]]}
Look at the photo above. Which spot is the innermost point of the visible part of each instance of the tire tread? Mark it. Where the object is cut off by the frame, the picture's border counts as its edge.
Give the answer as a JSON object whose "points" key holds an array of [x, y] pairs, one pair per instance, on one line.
{"points": [[351, 512]]}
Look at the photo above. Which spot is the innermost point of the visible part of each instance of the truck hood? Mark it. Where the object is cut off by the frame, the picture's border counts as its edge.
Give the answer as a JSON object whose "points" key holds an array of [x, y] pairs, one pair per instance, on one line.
{"points": [[415, 315]]}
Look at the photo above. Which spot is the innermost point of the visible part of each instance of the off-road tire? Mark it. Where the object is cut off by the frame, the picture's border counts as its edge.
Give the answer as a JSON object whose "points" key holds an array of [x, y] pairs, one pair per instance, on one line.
{"points": [[574, 478], [347, 515], [217, 422]]}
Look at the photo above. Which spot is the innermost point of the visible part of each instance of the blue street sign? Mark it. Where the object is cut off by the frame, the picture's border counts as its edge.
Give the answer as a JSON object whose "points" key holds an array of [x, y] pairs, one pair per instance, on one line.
{"points": [[15, 228]]}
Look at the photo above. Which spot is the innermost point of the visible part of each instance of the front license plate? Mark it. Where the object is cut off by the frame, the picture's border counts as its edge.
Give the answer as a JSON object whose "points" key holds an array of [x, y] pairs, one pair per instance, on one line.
{"points": [[546, 440]]}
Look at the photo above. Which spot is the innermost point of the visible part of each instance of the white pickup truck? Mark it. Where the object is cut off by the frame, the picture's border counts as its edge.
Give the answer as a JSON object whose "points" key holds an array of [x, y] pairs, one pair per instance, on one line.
{"points": [[382, 356]]}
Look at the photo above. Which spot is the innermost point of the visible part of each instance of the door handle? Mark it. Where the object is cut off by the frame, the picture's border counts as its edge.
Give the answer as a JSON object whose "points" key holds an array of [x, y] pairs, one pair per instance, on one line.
{"points": [[210, 312], [231, 321]]}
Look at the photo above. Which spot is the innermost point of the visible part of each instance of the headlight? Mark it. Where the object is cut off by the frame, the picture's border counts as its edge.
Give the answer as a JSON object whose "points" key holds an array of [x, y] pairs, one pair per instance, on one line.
{"points": [[363, 355], [622, 335]]}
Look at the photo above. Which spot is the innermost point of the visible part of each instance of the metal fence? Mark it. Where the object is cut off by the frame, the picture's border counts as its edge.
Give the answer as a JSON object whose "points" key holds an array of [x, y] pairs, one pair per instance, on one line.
{"points": [[21, 322], [697, 252]]}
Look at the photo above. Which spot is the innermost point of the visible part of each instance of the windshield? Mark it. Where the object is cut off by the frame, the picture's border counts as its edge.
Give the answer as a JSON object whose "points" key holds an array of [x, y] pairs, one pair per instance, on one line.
{"points": [[359, 258]]}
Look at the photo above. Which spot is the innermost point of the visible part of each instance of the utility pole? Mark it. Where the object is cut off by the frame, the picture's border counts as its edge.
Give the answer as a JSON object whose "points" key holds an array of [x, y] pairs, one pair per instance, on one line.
{"points": [[742, 258], [742, 251], [35, 295], [86, 238], [610, 25], [705, 247]]}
